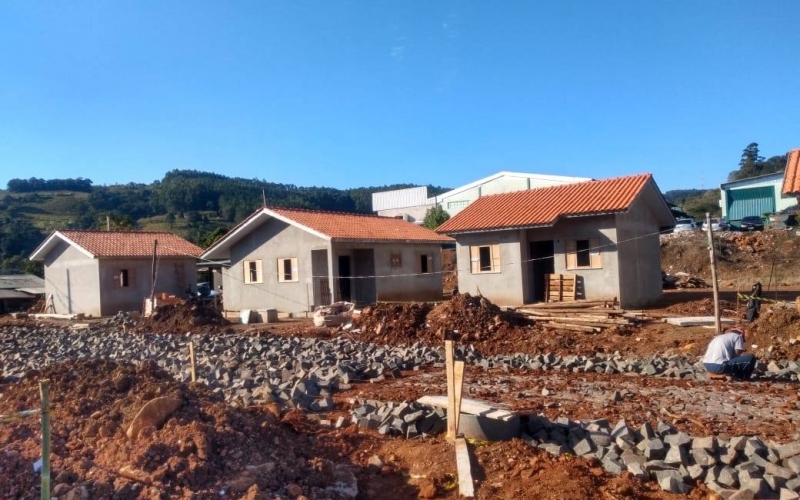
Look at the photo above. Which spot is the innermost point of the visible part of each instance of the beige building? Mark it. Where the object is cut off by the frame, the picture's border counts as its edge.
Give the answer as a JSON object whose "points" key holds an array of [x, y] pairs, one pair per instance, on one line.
{"points": [[294, 260], [603, 232], [99, 273]]}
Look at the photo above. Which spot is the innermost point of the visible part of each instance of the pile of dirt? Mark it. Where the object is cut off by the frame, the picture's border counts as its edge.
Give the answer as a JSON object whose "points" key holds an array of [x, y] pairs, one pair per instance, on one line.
{"points": [[774, 324], [742, 258], [187, 316], [702, 307], [464, 318], [449, 271], [206, 449]]}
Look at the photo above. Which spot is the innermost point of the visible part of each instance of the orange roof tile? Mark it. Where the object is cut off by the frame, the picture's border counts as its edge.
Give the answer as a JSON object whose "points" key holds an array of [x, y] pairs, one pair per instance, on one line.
{"points": [[131, 244], [347, 226], [543, 206], [791, 177]]}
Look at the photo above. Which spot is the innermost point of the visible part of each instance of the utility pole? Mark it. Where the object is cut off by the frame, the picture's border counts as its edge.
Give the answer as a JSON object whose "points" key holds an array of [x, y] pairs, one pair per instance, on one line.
{"points": [[714, 284]]}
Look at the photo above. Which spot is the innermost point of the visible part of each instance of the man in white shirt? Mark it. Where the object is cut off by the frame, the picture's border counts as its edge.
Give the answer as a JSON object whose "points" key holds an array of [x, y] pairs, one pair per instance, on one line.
{"points": [[725, 355]]}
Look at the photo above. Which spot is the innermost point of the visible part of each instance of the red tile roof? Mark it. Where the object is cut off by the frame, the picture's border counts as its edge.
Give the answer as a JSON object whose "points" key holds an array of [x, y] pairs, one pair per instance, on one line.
{"points": [[131, 244], [543, 206], [791, 177], [346, 226]]}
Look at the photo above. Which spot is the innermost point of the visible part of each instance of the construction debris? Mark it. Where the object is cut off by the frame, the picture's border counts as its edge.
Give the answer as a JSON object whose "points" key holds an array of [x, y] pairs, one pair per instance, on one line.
{"points": [[683, 280], [336, 314]]}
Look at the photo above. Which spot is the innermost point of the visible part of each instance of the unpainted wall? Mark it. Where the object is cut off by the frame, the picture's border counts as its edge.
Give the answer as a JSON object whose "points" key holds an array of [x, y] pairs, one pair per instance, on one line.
{"points": [[72, 278], [504, 287], [174, 276], [639, 254], [403, 283], [272, 240]]}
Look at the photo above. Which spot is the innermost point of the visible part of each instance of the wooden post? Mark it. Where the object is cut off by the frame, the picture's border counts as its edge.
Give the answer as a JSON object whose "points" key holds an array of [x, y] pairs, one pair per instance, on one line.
{"points": [[464, 467], [451, 393], [153, 274], [192, 361], [714, 284], [44, 391], [458, 387]]}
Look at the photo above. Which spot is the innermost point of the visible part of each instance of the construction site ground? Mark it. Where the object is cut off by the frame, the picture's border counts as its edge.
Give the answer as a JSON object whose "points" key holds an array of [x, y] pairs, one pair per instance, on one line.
{"points": [[210, 449]]}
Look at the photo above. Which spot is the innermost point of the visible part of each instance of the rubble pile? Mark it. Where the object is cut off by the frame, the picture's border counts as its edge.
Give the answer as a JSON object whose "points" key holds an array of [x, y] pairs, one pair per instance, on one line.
{"points": [[683, 280], [184, 317], [466, 318], [205, 449]]}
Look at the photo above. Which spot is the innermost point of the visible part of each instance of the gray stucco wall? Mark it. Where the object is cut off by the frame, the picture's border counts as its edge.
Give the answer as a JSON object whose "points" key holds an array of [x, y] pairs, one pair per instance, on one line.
{"points": [[503, 288], [174, 277], [285, 241], [639, 255], [72, 278], [598, 284], [404, 283]]}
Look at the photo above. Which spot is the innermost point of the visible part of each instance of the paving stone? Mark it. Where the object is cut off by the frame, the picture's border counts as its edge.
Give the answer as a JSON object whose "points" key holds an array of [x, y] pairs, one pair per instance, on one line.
{"points": [[677, 455], [583, 447], [638, 470], [775, 482], [728, 477], [655, 449], [708, 443], [613, 466], [786, 494], [703, 458], [755, 446], [671, 481], [696, 472], [793, 464], [678, 439]]}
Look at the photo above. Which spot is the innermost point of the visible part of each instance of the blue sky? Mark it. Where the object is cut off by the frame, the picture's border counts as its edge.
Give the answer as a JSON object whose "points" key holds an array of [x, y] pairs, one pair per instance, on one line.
{"points": [[352, 94]]}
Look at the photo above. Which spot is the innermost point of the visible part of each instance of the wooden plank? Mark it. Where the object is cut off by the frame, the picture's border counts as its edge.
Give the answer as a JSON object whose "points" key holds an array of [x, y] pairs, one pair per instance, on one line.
{"points": [[451, 393], [698, 321], [573, 328], [464, 467], [470, 406], [458, 383]]}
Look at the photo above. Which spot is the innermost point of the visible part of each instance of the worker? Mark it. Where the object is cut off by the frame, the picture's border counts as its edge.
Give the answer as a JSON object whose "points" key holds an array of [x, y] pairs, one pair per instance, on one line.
{"points": [[725, 355]]}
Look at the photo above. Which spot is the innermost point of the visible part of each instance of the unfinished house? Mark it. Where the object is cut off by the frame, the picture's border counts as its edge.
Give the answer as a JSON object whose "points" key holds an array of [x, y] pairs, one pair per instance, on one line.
{"points": [[18, 292], [600, 235], [100, 273], [294, 260]]}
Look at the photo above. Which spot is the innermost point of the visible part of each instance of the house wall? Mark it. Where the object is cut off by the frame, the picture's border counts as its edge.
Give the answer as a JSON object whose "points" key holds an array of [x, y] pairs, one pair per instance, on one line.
{"points": [[174, 276], [72, 278], [598, 284], [403, 283], [639, 254], [411, 214], [503, 288], [284, 241]]}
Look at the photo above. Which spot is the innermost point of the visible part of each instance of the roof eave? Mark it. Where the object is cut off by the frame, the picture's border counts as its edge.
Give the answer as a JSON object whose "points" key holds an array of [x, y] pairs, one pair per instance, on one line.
{"points": [[44, 247]]}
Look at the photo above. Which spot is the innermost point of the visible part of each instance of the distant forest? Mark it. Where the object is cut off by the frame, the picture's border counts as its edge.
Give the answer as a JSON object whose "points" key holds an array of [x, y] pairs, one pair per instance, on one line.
{"points": [[202, 206], [198, 205]]}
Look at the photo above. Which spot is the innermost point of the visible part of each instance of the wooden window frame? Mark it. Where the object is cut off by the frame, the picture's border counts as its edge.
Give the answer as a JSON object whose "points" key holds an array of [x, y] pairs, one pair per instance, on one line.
{"points": [[595, 255], [125, 278], [292, 276], [250, 269], [475, 259], [396, 260]]}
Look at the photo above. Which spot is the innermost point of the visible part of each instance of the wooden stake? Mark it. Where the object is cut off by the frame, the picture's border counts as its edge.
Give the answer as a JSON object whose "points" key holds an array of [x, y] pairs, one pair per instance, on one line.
{"points": [[192, 361], [464, 467], [44, 391], [451, 393], [714, 284], [458, 383]]}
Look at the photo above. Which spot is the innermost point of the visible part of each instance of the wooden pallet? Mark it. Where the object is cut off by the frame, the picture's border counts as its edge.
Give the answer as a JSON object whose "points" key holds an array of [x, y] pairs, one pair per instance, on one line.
{"points": [[561, 287]]}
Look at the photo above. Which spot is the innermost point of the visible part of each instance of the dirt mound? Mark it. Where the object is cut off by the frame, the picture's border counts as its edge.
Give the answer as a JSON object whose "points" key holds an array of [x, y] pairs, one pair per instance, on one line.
{"points": [[449, 270], [774, 323], [702, 307], [206, 449], [742, 258], [185, 317], [464, 318]]}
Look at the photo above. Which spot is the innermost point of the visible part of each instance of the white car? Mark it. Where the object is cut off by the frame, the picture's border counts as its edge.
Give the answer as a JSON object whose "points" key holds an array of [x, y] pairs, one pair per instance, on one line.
{"points": [[684, 225], [717, 225]]}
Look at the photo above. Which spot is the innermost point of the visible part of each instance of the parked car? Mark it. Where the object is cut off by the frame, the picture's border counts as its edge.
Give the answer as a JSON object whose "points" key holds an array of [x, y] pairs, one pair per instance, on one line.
{"points": [[717, 225], [684, 225], [751, 223]]}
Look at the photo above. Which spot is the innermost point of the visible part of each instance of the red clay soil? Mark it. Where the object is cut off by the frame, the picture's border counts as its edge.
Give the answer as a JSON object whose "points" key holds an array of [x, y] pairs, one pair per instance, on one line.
{"points": [[184, 317]]}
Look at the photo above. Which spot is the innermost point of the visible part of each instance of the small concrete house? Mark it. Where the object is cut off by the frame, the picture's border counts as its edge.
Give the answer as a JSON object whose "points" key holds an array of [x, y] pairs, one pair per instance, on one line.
{"points": [[100, 273], [605, 232], [294, 260], [791, 176]]}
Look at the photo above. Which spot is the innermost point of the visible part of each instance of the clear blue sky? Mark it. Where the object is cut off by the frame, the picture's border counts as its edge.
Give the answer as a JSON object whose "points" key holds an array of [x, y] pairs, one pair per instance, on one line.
{"points": [[351, 94]]}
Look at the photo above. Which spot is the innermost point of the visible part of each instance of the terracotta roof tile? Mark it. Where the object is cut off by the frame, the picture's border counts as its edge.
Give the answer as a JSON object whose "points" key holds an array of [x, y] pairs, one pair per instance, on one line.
{"points": [[791, 177], [347, 226], [543, 206], [132, 244]]}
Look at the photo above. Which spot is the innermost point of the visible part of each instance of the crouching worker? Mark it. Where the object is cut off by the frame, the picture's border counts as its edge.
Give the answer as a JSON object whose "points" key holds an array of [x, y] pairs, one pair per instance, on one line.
{"points": [[725, 355]]}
